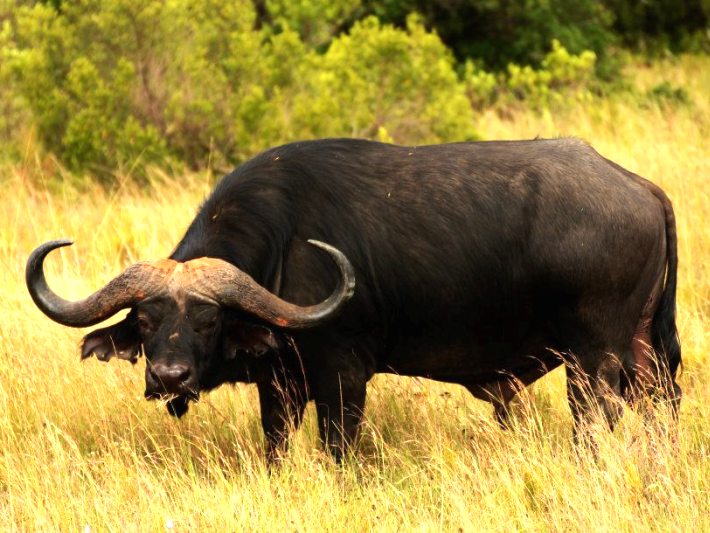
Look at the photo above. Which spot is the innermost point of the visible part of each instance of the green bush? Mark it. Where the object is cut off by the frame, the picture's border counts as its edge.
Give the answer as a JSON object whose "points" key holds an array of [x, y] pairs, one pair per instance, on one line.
{"points": [[80, 73], [499, 32], [15, 118], [127, 83], [315, 21], [660, 25], [665, 94], [482, 87], [381, 81], [561, 76], [109, 84]]}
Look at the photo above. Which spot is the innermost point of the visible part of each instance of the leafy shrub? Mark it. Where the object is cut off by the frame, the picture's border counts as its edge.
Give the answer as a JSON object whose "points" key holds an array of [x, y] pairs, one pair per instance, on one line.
{"points": [[109, 84], [315, 21], [660, 25], [80, 74], [665, 94], [562, 75], [115, 83], [15, 118], [378, 77], [482, 87], [499, 32]]}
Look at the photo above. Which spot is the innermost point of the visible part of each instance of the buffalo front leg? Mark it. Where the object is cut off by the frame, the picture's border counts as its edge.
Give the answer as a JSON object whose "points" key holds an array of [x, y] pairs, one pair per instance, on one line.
{"points": [[282, 404], [339, 393]]}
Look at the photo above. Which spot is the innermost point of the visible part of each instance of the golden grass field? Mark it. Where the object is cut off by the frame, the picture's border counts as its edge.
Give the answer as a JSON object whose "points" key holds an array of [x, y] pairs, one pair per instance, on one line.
{"points": [[80, 450]]}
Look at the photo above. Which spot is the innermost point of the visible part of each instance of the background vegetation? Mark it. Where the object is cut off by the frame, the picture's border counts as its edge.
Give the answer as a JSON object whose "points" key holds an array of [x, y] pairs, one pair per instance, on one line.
{"points": [[126, 84], [115, 119]]}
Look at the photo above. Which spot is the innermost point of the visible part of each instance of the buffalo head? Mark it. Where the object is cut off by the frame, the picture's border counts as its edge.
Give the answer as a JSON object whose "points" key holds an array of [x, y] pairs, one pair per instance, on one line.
{"points": [[179, 316]]}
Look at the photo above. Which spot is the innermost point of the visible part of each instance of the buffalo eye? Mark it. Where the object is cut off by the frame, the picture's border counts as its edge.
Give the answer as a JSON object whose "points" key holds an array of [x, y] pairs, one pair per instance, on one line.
{"points": [[145, 325], [206, 326], [204, 321]]}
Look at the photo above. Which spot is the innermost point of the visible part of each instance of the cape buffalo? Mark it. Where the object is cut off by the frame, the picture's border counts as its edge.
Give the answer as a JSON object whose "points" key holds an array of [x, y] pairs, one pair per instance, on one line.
{"points": [[484, 264]]}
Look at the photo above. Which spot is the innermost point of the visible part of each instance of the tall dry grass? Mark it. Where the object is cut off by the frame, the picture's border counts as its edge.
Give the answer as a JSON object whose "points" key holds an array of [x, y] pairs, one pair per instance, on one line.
{"points": [[80, 448]]}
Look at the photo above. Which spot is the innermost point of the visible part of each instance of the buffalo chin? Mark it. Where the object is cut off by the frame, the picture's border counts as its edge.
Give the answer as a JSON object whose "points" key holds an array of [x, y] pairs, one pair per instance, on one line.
{"points": [[177, 405]]}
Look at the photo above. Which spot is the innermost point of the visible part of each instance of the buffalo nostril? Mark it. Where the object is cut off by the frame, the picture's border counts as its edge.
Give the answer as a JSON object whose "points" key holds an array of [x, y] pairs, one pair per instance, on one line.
{"points": [[183, 374], [170, 377]]}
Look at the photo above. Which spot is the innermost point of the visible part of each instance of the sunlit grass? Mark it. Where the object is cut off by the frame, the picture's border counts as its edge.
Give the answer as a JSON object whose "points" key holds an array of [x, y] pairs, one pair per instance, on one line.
{"points": [[79, 446]]}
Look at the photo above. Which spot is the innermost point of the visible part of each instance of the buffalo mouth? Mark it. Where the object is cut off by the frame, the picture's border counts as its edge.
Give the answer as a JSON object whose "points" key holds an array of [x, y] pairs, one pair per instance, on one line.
{"points": [[176, 404], [167, 396]]}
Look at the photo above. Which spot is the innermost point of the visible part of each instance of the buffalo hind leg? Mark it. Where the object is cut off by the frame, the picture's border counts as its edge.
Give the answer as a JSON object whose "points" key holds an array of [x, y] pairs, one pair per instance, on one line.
{"points": [[594, 390], [282, 403], [339, 393], [649, 375]]}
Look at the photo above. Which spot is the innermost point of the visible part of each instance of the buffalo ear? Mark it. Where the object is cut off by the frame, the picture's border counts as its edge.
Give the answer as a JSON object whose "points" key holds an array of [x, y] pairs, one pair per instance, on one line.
{"points": [[253, 340], [121, 339]]}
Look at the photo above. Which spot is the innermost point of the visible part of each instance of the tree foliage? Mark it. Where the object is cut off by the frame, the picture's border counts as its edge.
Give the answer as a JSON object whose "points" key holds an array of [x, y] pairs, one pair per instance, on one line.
{"points": [[132, 82], [109, 84], [675, 25], [499, 32]]}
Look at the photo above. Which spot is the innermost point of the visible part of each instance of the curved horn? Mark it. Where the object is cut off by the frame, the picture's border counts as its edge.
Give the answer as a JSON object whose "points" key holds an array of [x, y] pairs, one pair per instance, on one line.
{"points": [[134, 284], [231, 287]]}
